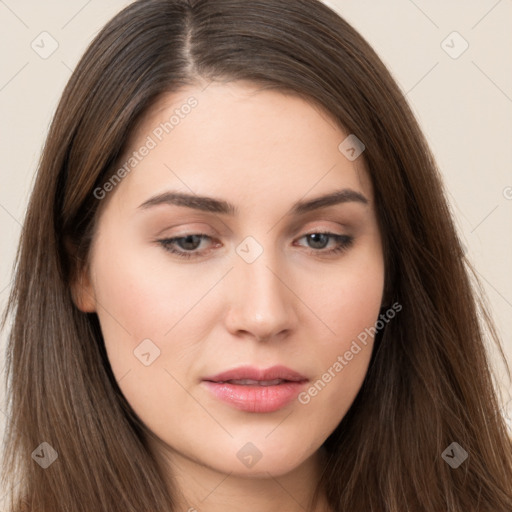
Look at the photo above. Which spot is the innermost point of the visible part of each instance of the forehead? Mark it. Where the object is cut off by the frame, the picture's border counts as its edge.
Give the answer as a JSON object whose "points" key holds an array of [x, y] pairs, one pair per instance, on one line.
{"points": [[239, 141]]}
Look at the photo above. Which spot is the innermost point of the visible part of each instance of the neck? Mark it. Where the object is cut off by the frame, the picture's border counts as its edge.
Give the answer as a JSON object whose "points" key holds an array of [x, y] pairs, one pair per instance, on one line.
{"points": [[199, 488]]}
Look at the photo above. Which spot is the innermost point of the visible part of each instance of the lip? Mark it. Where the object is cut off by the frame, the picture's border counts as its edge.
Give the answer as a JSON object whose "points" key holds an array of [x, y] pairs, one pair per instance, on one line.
{"points": [[258, 398]]}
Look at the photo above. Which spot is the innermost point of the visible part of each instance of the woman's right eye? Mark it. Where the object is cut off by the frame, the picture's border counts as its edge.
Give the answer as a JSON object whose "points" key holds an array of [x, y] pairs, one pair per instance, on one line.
{"points": [[185, 246]]}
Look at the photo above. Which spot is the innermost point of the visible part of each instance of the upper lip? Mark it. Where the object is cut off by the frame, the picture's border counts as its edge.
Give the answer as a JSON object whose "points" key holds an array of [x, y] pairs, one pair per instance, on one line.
{"points": [[252, 373]]}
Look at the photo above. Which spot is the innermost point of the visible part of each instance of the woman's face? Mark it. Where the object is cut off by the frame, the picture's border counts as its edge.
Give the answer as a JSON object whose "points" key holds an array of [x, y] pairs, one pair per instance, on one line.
{"points": [[211, 256]]}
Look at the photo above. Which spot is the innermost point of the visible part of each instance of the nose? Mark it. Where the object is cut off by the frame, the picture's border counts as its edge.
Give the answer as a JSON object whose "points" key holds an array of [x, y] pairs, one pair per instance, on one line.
{"points": [[261, 303]]}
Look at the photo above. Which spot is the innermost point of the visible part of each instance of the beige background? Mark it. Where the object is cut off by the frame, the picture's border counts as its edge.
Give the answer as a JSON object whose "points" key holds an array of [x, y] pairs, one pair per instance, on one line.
{"points": [[464, 105]]}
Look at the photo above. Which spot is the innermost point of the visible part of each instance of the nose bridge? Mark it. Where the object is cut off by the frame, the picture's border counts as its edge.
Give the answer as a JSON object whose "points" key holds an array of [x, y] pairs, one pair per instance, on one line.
{"points": [[261, 304], [262, 283]]}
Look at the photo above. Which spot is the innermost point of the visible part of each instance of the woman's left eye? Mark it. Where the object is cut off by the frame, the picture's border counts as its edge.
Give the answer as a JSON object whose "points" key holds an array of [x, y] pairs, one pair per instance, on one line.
{"points": [[187, 246], [318, 241]]}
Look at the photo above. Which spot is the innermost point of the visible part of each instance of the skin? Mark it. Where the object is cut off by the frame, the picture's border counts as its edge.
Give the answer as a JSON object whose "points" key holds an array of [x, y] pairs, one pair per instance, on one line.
{"points": [[294, 305]]}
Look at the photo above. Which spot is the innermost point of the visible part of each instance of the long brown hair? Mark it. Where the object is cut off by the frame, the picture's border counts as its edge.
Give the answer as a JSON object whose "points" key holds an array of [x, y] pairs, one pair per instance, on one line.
{"points": [[429, 383]]}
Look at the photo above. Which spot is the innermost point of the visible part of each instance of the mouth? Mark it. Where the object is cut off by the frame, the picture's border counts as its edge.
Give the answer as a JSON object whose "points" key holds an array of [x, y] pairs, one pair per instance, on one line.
{"points": [[251, 382], [253, 390]]}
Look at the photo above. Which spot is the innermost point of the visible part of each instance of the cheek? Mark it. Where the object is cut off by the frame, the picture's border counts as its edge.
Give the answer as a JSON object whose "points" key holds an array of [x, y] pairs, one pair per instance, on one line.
{"points": [[151, 316], [139, 298], [348, 305], [348, 297]]}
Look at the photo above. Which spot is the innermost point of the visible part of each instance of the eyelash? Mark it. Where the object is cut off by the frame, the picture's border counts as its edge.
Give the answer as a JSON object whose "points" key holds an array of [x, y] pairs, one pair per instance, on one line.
{"points": [[344, 242]]}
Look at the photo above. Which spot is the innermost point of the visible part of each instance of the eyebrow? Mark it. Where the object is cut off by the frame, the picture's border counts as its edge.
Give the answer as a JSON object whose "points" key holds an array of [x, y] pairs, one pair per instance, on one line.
{"points": [[212, 205]]}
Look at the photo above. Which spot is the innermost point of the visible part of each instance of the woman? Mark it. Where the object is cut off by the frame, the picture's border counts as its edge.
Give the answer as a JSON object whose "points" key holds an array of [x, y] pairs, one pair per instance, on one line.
{"points": [[239, 283]]}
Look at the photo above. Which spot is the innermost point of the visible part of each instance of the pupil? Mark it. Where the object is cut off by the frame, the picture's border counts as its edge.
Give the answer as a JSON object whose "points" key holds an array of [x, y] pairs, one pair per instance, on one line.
{"points": [[318, 240], [190, 242]]}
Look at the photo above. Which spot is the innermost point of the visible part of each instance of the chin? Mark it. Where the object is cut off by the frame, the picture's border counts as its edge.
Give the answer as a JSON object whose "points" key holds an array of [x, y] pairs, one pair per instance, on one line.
{"points": [[259, 459]]}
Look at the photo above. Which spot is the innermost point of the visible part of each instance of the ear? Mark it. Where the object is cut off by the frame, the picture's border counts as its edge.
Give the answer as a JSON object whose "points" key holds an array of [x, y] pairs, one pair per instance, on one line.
{"points": [[386, 296], [82, 292]]}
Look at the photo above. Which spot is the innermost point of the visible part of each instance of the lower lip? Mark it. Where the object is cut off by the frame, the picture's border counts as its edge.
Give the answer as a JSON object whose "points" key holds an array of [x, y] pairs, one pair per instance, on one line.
{"points": [[256, 398]]}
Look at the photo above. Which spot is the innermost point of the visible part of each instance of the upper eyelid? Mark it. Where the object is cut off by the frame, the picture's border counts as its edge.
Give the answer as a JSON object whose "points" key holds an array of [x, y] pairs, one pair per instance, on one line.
{"points": [[296, 228], [215, 222], [197, 233]]}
